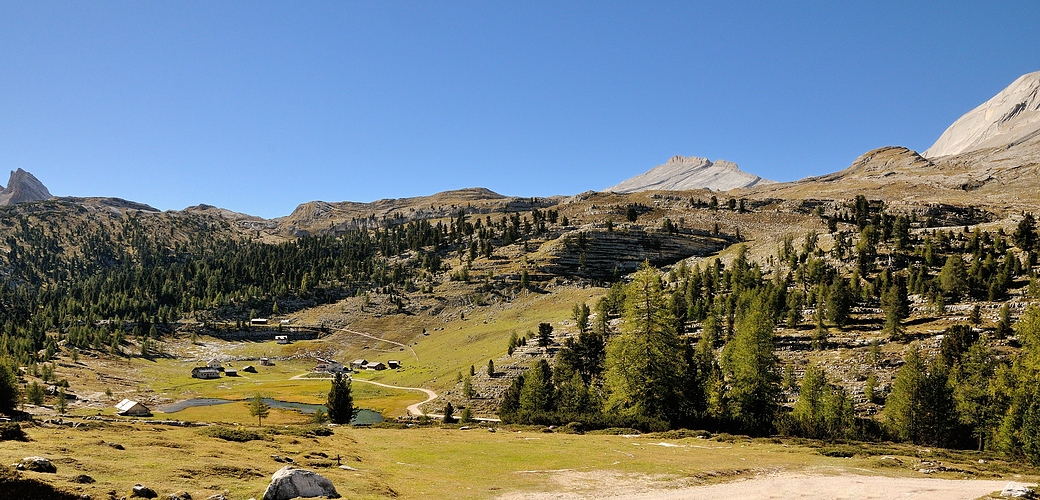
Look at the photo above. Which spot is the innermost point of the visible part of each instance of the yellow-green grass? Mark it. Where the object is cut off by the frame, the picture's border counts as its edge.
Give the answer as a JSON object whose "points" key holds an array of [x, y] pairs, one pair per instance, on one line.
{"points": [[434, 462], [170, 380], [452, 346]]}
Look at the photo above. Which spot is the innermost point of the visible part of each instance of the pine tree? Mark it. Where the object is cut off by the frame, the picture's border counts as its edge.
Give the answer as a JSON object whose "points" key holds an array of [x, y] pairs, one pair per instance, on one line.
{"points": [[545, 331], [509, 409], [580, 314], [340, 401], [839, 302], [449, 413], [1025, 234], [9, 391]]}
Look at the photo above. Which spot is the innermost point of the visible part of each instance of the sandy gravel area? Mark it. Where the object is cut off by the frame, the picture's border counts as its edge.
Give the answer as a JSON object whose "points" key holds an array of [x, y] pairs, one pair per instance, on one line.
{"points": [[781, 485]]}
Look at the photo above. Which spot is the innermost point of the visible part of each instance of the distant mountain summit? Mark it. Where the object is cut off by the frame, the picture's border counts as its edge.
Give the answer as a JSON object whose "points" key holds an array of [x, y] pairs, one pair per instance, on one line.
{"points": [[1010, 117], [690, 172], [23, 187]]}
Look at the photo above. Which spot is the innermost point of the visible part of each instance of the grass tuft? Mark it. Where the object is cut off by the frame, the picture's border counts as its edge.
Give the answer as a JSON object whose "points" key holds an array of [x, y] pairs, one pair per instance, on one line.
{"points": [[235, 434]]}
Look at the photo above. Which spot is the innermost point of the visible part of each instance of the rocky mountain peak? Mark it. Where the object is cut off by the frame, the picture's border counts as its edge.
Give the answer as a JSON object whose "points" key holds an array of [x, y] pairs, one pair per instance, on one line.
{"points": [[681, 173], [1010, 117], [23, 187]]}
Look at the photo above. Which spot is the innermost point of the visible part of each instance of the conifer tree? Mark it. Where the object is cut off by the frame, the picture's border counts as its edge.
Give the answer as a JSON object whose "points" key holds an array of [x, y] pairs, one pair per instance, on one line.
{"points": [[751, 369], [9, 391], [896, 305], [644, 372], [259, 409], [808, 410], [972, 392], [538, 393], [340, 401]]}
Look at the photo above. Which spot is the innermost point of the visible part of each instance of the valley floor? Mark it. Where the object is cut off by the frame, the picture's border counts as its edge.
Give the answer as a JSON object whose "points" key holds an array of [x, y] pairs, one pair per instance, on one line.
{"points": [[512, 463], [829, 484]]}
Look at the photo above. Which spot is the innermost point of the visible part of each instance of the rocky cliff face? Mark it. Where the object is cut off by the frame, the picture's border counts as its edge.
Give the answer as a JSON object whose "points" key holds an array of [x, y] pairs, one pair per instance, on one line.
{"points": [[1010, 117], [23, 187], [598, 253], [690, 172]]}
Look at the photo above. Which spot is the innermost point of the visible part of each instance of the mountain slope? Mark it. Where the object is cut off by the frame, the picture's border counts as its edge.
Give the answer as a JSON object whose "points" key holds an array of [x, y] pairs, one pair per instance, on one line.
{"points": [[690, 172], [23, 187], [1011, 116]]}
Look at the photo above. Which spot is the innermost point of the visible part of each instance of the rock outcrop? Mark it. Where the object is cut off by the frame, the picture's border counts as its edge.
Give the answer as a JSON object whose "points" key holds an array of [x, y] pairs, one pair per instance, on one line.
{"points": [[600, 253], [23, 187], [290, 482], [690, 172], [1012, 116], [141, 491], [36, 464]]}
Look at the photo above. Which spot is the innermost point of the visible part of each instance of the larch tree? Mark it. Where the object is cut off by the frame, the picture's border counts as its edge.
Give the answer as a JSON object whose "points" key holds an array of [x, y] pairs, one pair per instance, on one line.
{"points": [[259, 409], [644, 371], [752, 370]]}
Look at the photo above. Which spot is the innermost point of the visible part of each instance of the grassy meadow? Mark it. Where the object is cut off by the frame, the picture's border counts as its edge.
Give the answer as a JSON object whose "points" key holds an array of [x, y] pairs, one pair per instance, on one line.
{"points": [[446, 462]]}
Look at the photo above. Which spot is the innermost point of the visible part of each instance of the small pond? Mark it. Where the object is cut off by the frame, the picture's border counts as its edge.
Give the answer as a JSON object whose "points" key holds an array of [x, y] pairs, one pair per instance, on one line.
{"points": [[363, 416]]}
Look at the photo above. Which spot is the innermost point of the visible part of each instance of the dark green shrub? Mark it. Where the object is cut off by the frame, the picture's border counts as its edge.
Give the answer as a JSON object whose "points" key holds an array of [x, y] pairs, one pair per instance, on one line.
{"points": [[10, 431]]}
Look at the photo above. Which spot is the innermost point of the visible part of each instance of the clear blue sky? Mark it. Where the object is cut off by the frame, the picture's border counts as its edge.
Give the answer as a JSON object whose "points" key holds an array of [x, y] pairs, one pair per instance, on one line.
{"points": [[258, 107]]}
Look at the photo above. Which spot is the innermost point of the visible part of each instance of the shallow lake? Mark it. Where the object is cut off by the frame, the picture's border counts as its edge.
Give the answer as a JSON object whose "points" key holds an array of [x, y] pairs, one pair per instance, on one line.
{"points": [[362, 417]]}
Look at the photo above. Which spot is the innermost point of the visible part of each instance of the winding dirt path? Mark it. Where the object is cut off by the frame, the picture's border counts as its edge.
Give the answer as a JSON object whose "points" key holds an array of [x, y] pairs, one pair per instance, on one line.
{"points": [[413, 409]]}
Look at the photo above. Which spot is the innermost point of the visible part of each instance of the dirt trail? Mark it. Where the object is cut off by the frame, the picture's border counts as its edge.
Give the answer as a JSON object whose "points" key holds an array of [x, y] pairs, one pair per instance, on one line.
{"points": [[373, 337], [413, 409], [786, 485]]}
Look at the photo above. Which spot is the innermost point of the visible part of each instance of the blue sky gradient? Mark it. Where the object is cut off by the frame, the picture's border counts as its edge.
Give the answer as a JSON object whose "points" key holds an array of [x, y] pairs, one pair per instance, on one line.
{"points": [[260, 106]]}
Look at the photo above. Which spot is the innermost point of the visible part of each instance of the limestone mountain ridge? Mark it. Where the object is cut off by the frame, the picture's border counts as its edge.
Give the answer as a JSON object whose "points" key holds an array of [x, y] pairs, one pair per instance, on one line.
{"points": [[683, 173], [23, 187], [1010, 117]]}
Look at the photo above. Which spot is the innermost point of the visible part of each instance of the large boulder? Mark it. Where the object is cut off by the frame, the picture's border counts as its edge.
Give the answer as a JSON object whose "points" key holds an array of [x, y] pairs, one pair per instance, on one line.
{"points": [[36, 464], [290, 482], [1016, 490], [141, 491]]}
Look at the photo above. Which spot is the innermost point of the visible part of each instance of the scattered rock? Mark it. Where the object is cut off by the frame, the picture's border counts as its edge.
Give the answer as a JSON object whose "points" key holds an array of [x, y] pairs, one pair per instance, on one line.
{"points": [[117, 446], [184, 495], [82, 479], [218, 496], [141, 491], [290, 483], [36, 464], [1016, 490], [278, 458], [347, 467]]}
